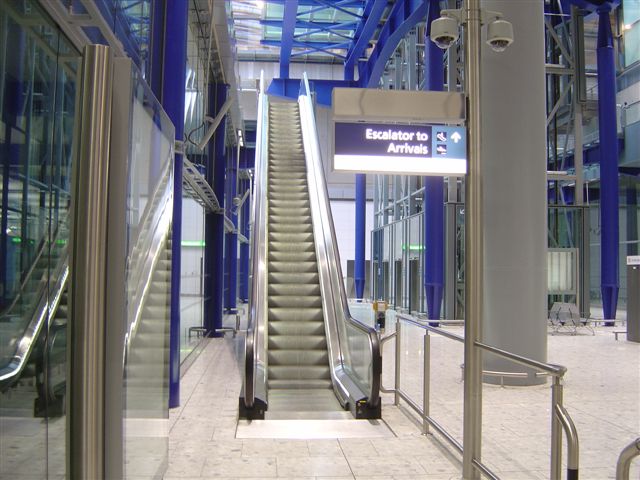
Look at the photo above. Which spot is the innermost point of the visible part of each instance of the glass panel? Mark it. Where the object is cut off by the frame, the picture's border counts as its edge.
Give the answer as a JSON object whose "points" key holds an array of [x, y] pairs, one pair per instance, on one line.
{"points": [[37, 99], [148, 285], [357, 356], [363, 312]]}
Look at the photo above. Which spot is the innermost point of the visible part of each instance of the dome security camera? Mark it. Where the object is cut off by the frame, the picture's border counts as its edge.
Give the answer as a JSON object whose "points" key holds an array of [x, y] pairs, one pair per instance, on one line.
{"points": [[499, 35], [444, 32]]}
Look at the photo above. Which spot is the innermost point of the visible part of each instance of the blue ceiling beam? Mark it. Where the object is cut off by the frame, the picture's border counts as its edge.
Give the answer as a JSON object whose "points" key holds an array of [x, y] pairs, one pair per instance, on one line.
{"points": [[314, 24], [319, 46], [367, 27], [404, 15], [318, 50], [315, 3], [290, 88], [340, 6], [288, 29], [331, 30]]}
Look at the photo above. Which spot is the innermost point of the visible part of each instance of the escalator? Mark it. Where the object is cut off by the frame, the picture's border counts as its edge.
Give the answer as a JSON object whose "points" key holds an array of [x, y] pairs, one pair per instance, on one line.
{"points": [[305, 356], [298, 376], [33, 334]]}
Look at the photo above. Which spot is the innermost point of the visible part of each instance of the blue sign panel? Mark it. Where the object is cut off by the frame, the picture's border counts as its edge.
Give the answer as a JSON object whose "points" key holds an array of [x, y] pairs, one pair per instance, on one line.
{"points": [[400, 149]]}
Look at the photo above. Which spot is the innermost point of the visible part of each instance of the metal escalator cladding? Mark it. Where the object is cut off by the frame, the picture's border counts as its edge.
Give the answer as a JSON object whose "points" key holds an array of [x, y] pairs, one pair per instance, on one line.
{"points": [[299, 376]]}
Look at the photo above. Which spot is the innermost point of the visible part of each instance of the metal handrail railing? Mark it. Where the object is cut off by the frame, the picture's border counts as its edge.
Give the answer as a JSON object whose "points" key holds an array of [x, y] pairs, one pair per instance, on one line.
{"points": [[561, 420], [44, 312], [325, 223], [254, 341], [627, 455]]}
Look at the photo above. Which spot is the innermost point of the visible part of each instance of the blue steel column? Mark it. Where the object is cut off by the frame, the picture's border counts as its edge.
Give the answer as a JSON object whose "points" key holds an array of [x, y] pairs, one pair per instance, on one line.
{"points": [[231, 243], [434, 187], [214, 226], [608, 166], [361, 213], [156, 47], [173, 89]]}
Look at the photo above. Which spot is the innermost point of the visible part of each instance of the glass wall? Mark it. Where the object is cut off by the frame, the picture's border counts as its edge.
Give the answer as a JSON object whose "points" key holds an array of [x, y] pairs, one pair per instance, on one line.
{"points": [[147, 289], [193, 214], [38, 70], [629, 217]]}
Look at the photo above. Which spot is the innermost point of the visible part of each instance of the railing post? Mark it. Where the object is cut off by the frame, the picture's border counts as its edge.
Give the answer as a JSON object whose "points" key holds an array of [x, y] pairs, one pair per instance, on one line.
{"points": [[426, 382], [88, 264], [556, 429], [623, 466], [396, 386], [474, 248]]}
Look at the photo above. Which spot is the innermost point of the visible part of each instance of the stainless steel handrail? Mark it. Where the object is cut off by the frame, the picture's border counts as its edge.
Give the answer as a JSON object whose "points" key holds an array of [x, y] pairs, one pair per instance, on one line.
{"points": [[44, 312], [560, 417], [627, 455], [256, 335], [340, 304]]}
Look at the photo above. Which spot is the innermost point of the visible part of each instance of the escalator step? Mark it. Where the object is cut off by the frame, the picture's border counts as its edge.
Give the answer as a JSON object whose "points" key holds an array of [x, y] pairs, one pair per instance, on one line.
{"points": [[295, 328], [290, 211], [293, 267], [300, 384], [291, 228], [295, 315], [298, 357], [297, 342], [280, 203], [294, 301], [291, 237], [295, 289], [292, 277], [295, 372], [306, 219]]}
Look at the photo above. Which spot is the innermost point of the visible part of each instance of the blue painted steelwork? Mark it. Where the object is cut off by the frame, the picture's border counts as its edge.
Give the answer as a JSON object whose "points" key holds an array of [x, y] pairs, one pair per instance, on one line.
{"points": [[609, 202], [315, 24], [175, 60], [364, 32], [130, 25], [340, 6], [311, 44], [12, 111], [361, 214], [315, 3], [156, 47], [403, 17], [288, 29], [434, 186], [321, 88], [231, 242], [214, 248]]}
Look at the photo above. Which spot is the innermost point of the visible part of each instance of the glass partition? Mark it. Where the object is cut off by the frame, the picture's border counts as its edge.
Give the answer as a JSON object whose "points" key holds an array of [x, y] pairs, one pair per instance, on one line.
{"points": [[38, 79], [148, 211]]}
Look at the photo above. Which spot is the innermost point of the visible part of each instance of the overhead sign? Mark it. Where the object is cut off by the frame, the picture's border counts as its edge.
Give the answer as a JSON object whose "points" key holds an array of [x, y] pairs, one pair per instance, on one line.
{"points": [[633, 260], [437, 150]]}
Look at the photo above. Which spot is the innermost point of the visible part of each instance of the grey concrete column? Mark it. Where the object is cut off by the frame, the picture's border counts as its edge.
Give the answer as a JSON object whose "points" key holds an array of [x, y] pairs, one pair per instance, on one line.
{"points": [[514, 171]]}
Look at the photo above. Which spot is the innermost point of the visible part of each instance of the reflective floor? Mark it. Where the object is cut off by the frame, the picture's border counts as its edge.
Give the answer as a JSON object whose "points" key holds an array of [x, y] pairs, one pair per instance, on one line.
{"points": [[602, 394]]}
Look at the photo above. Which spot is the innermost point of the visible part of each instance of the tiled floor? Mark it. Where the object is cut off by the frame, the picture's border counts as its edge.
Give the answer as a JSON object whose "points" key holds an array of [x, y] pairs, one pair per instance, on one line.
{"points": [[602, 394]]}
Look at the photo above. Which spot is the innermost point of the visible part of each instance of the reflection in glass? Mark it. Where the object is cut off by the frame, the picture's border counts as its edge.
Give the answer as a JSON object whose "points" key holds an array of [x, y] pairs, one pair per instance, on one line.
{"points": [[148, 285], [37, 101]]}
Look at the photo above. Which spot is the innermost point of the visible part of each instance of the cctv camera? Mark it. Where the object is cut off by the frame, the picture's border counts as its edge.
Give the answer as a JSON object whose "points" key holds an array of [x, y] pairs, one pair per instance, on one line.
{"points": [[499, 35], [444, 32]]}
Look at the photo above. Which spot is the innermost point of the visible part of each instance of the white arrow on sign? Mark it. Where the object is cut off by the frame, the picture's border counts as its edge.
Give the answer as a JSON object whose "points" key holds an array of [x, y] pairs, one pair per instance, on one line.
{"points": [[456, 137]]}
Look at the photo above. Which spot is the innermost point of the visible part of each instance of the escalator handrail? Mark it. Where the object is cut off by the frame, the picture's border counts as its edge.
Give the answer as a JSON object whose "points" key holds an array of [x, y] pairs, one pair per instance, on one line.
{"points": [[254, 341], [314, 162], [41, 251], [45, 311]]}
